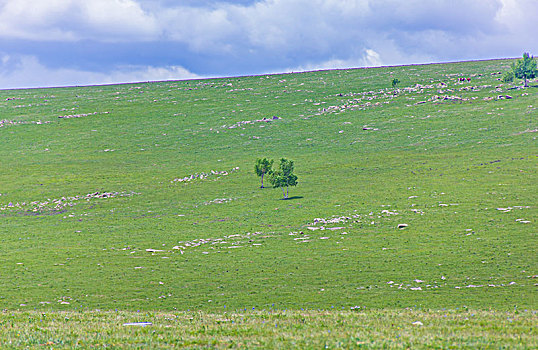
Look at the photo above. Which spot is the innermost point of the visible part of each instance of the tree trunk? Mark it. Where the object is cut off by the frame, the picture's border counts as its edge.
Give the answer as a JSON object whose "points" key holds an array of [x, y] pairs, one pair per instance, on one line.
{"points": [[262, 180], [525, 79], [287, 194], [284, 192]]}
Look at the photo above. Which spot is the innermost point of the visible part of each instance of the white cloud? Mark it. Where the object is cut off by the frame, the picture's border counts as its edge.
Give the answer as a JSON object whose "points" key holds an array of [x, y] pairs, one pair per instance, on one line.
{"points": [[372, 58], [68, 20], [369, 58], [27, 71], [281, 26], [119, 19], [202, 29], [271, 35], [336, 29], [518, 20]]}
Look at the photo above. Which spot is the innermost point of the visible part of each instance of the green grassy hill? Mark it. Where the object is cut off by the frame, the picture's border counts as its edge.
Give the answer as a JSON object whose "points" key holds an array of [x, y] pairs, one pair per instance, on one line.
{"points": [[96, 212]]}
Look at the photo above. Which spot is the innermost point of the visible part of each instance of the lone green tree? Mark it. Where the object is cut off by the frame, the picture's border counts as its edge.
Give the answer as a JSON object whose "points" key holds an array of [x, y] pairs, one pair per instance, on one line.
{"points": [[262, 167], [395, 82], [525, 68], [284, 177]]}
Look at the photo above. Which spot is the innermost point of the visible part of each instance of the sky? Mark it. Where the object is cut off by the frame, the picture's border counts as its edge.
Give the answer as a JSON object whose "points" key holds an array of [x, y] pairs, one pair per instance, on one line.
{"points": [[47, 43]]}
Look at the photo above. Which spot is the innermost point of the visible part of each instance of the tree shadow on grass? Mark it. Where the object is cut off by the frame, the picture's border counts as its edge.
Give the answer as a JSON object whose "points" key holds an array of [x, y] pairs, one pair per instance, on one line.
{"points": [[290, 198]]}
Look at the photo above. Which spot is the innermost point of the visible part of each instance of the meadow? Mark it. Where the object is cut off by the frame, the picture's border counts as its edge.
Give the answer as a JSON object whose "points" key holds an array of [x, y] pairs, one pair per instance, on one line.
{"points": [[141, 199]]}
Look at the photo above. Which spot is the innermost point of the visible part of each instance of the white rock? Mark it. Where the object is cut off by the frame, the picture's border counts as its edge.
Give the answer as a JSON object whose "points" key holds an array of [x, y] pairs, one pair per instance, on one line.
{"points": [[141, 324]]}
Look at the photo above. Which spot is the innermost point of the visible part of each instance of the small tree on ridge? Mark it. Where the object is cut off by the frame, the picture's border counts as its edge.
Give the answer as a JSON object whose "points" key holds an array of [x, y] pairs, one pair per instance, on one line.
{"points": [[262, 167], [525, 68]]}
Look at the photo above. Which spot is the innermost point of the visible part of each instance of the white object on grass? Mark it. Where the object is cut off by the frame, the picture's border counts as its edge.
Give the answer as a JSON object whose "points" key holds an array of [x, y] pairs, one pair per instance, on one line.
{"points": [[141, 324]]}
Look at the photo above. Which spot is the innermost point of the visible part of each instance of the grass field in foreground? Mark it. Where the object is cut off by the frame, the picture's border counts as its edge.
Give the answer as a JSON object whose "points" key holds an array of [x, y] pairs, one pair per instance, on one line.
{"points": [[143, 196], [271, 329]]}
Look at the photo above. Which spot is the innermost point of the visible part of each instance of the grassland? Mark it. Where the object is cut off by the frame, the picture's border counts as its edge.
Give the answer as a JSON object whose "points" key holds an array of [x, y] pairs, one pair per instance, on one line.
{"points": [[94, 215], [270, 329]]}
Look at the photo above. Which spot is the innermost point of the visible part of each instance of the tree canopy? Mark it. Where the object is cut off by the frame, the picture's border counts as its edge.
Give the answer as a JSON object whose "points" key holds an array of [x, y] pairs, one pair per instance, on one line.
{"points": [[525, 68], [284, 177], [262, 167]]}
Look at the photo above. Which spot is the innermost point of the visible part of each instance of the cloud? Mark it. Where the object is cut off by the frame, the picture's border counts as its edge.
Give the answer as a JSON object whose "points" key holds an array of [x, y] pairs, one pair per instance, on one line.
{"points": [[70, 20], [202, 29], [326, 31], [456, 16], [518, 20], [27, 71], [370, 58], [235, 37]]}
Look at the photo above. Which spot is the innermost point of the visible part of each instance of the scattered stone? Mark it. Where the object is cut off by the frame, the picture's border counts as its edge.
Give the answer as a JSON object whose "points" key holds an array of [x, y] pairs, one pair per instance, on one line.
{"points": [[247, 122], [388, 212], [205, 176], [62, 203], [402, 226], [506, 210], [5, 122], [219, 201], [140, 324]]}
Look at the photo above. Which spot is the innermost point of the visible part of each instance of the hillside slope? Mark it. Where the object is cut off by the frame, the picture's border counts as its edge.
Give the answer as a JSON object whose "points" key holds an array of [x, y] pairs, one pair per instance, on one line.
{"points": [[143, 196]]}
